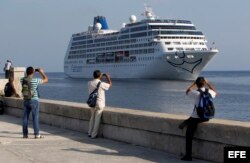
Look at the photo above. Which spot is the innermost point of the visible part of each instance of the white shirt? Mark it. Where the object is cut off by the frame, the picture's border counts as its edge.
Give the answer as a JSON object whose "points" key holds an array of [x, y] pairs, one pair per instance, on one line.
{"points": [[194, 94], [101, 91], [7, 66]]}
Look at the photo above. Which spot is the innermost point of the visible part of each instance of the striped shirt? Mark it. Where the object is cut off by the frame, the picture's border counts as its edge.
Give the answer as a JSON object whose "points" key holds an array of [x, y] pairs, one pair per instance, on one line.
{"points": [[34, 85]]}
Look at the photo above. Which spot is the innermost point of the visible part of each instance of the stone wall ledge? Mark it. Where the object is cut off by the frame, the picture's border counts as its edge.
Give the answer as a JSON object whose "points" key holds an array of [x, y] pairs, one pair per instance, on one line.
{"points": [[150, 129]]}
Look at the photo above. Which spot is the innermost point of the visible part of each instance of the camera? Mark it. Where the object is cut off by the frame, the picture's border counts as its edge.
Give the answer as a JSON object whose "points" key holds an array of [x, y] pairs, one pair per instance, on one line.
{"points": [[36, 70], [104, 75]]}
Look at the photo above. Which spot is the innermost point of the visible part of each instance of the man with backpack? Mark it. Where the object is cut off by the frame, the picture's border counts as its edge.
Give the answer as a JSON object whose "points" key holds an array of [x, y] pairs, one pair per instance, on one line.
{"points": [[100, 87], [202, 112], [31, 97]]}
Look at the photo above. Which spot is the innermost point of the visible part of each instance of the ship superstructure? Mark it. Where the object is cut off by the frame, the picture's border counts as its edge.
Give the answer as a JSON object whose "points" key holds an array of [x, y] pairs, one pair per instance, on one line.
{"points": [[150, 48]]}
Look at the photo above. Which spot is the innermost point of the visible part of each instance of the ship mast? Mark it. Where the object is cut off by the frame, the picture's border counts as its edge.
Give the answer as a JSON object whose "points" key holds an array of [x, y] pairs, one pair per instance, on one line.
{"points": [[148, 13]]}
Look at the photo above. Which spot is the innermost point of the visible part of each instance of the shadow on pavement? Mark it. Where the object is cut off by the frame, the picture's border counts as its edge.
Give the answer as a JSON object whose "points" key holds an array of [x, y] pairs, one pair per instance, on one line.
{"points": [[108, 147]]}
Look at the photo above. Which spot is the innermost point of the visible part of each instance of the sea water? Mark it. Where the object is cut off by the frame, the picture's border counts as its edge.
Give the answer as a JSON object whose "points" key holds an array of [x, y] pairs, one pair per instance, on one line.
{"points": [[232, 101]]}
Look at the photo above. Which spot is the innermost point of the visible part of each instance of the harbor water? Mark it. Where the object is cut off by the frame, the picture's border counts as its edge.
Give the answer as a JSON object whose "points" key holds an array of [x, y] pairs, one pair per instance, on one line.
{"points": [[232, 101]]}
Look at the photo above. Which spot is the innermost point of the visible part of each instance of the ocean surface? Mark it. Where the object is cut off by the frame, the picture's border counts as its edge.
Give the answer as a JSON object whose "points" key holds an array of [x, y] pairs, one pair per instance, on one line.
{"points": [[232, 101]]}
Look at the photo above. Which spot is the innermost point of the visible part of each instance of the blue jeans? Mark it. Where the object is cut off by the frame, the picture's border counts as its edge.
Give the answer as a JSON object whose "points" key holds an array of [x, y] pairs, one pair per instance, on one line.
{"points": [[31, 106]]}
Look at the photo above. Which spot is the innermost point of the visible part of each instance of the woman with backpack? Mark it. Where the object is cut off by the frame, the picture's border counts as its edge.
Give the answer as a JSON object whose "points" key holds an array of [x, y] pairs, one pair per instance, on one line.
{"points": [[196, 92]]}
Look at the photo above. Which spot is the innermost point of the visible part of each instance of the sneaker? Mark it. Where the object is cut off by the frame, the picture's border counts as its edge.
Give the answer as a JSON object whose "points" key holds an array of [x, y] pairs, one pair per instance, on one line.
{"points": [[186, 158], [39, 136], [25, 136], [182, 125]]}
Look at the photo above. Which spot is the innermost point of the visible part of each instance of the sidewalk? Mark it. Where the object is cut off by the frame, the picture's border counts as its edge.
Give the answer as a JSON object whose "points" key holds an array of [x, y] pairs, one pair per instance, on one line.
{"points": [[66, 146]]}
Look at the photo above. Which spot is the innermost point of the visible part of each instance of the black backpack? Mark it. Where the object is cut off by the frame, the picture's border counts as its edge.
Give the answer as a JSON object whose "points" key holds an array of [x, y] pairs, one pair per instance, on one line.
{"points": [[8, 90], [93, 97], [205, 108], [1, 107]]}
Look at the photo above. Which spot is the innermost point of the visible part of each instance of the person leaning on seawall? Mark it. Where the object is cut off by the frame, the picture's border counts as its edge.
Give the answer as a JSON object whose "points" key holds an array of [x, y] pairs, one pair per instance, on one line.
{"points": [[10, 90], [31, 102], [96, 112], [194, 119]]}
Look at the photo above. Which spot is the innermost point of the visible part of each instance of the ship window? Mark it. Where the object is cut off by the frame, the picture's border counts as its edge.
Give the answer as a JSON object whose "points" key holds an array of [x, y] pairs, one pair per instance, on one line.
{"points": [[184, 21], [172, 27], [150, 33], [124, 37], [79, 38], [138, 29], [188, 49], [182, 32], [89, 36], [176, 43], [167, 43], [125, 30], [170, 48], [169, 21], [180, 49], [78, 43]]}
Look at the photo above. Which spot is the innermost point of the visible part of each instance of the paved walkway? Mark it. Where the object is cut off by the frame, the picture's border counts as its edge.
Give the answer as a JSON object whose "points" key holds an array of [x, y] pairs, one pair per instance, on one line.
{"points": [[66, 146]]}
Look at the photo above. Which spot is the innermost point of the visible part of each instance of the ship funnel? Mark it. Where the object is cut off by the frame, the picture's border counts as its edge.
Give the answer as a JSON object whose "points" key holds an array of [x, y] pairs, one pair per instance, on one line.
{"points": [[102, 21]]}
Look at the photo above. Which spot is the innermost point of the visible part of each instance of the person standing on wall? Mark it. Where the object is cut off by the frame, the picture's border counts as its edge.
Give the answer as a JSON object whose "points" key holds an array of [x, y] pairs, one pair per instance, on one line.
{"points": [[31, 99], [194, 120], [7, 69], [96, 112]]}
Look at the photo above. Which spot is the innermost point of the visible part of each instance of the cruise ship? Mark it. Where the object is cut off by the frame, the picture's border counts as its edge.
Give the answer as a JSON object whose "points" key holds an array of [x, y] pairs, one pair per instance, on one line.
{"points": [[151, 48]]}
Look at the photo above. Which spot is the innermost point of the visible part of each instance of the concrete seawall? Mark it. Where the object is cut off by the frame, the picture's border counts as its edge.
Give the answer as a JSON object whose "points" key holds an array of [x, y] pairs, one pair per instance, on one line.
{"points": [[155, 130]]}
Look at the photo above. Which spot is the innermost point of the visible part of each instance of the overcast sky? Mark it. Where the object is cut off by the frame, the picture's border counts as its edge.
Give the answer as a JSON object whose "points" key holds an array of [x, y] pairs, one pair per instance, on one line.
{"points": [[37, 32]]}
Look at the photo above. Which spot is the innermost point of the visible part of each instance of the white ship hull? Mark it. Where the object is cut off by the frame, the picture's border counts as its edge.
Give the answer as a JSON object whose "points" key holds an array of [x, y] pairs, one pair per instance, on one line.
{"points": [[151, 48], [168, 65]]}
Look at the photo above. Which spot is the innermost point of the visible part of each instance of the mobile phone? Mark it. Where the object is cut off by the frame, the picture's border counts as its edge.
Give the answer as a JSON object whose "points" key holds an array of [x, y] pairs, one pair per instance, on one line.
{"points": [[36, 69]]}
